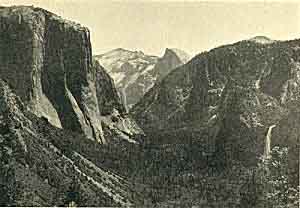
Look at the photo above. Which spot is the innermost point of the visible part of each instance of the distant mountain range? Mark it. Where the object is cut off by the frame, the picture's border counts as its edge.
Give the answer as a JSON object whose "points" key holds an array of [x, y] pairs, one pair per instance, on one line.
{"points": [[134, 72]]}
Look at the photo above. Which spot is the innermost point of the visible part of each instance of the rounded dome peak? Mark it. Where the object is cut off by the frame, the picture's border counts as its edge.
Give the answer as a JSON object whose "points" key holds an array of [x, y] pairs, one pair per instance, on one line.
{"points": [[261, 39], [182, 55]]}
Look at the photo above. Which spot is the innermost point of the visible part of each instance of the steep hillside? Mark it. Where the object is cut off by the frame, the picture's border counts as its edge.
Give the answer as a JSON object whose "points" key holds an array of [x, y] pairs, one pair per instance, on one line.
{"points": [[134, 73], [233, 101], [48, 63], [39, 167]]}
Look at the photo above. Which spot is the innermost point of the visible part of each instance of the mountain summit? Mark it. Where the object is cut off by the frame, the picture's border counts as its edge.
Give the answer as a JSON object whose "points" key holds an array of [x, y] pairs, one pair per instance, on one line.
{"points": [[261, 40], [171, 59], [134, 72]]}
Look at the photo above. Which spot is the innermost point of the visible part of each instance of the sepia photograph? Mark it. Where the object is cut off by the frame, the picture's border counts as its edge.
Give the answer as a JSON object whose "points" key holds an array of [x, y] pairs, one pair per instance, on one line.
{"points": [[150, 103]]}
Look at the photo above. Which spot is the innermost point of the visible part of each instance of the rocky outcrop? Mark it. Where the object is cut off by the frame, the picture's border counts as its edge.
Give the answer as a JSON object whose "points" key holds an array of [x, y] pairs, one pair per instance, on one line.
{"points": [[107, 95], [48, 63], [113, 113], [42, 166], [134, 72], [226, 99], [171, 59]]}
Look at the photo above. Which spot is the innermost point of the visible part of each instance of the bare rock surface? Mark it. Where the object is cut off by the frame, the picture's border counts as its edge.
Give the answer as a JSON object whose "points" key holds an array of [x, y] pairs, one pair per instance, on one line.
{"points": [[48, 63]]}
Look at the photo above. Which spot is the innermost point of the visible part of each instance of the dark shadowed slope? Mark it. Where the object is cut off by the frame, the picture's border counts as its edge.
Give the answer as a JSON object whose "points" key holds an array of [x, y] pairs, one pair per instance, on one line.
{"points": [[41, 166], [231, 100]]}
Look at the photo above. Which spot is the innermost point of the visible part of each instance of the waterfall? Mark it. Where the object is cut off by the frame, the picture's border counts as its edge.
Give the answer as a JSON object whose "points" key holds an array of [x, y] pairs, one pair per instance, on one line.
{"points": [[124, 98], [268, 142]]}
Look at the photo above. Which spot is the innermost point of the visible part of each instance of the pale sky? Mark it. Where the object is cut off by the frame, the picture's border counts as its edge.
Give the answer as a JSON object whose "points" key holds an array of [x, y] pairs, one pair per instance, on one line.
{"points": [[194, 26]]}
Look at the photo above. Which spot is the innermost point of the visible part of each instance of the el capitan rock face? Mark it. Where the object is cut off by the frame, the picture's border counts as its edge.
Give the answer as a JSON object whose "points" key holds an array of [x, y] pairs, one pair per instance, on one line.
{"points": [[48, 62], [134, 72], [227, 98], [52, 97]]}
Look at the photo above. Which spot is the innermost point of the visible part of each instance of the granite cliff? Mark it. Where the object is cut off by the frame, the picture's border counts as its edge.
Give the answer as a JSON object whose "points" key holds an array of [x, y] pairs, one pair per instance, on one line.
{"points": [[48, 63], [57, 106]]}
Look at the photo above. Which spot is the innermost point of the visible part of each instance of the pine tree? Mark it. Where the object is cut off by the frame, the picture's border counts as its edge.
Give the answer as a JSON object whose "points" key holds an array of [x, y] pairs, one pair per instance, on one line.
{"points": [[7, 178], [74, 196], [273, 178]]}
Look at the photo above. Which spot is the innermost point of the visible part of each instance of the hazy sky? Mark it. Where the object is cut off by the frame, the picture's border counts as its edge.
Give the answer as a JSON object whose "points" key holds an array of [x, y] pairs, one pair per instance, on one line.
{"points": [[151, 26]]}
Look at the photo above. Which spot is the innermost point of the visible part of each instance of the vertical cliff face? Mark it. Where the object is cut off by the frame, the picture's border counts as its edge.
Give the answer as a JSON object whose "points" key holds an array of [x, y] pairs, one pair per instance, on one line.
{"points": [[53, 97], [112, 110], [107, 94], [48, 62], [68, 66], [171, 59]]}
